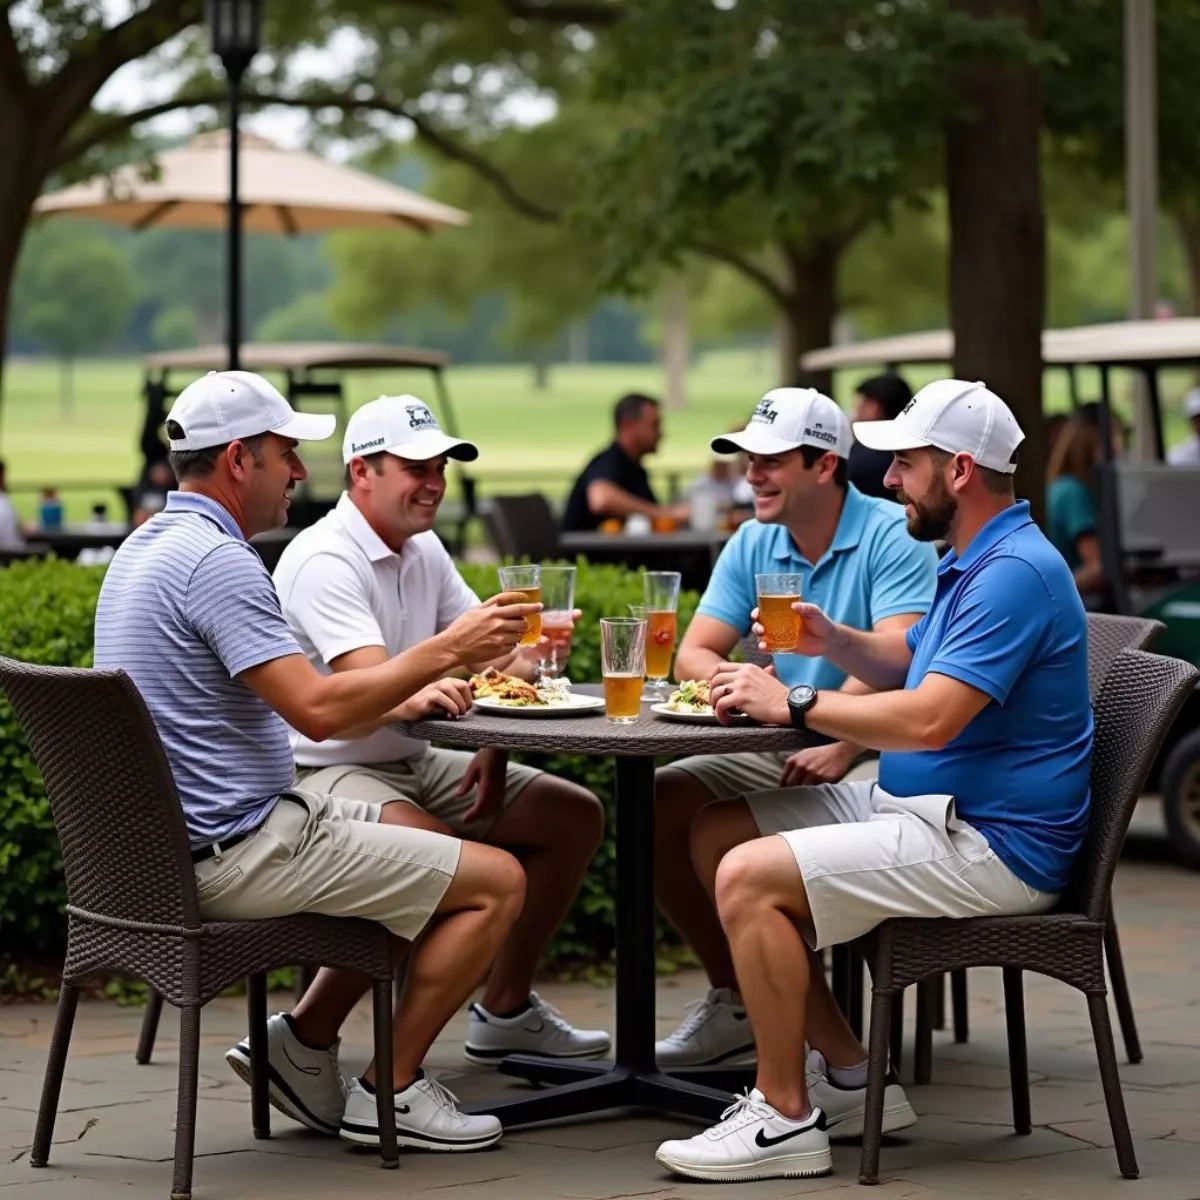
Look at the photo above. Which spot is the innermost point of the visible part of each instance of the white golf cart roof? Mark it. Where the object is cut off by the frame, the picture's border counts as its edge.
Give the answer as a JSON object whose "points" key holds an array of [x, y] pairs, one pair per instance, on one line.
{"points": [[297, 356]]}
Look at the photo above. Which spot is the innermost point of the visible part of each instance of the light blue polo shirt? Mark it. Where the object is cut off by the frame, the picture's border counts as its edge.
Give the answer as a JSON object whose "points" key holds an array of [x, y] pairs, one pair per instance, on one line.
{"points": [[872, 570], [185, 608], [1007, 619]]}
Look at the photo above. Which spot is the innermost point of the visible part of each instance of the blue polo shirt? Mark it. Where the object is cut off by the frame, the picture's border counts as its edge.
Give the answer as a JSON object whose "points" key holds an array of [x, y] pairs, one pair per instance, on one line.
{"points": [[872, 570], [1007, 619]]}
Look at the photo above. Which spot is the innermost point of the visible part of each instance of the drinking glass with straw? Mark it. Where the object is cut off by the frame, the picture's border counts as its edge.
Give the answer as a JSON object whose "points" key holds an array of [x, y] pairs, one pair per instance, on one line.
{"points": [[623, 665], [558, 622], [661, 592], [529, 581], [780, 622]]}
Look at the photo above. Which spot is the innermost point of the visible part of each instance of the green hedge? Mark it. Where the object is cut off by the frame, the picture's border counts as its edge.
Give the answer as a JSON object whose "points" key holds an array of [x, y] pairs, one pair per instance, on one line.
{"points": [[47, 611]]}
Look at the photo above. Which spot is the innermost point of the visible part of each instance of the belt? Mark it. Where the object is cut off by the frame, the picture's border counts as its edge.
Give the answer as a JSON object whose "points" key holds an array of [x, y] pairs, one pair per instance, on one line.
{"points": [[227, 844]]}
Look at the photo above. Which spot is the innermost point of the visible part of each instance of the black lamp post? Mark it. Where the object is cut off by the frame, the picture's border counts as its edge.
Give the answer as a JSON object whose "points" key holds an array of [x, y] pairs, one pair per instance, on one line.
{"points": [[235, 28]]}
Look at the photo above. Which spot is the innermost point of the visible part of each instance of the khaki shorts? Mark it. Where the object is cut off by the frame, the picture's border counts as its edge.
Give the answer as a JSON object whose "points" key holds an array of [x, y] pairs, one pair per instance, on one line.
{"points": [[323, 854], [427, 781], [866, 856], [727, 776]]}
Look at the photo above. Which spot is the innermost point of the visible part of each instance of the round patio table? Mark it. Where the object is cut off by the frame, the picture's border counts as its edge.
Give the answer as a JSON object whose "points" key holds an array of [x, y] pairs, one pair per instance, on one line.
{"points": [[632, 1080]]}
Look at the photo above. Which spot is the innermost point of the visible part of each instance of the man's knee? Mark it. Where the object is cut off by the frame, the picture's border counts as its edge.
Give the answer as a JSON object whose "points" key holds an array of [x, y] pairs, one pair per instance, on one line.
{"points": [[678, 797], [553, 813], [489, 877], [579, 811], [715, 831], [759, 874], [734, 886]]}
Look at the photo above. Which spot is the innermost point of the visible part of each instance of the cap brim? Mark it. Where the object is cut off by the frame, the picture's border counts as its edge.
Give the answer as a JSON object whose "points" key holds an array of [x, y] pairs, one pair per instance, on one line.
{"points": [[429, 445], [752, 441], [307, 427], [887, 435]]}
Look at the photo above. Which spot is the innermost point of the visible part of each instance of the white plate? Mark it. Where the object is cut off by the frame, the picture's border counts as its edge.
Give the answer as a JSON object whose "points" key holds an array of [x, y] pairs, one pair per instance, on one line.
{"points": [[576, 705], [692, 718]]}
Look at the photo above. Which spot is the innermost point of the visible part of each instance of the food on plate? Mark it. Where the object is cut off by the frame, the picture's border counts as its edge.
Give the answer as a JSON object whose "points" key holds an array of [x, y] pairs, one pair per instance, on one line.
{"points": [[691, 697], [517, 693]]}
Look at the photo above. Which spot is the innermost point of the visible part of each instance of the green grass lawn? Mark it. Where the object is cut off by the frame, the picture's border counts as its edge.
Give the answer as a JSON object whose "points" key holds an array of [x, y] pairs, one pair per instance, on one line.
{"points": [[526, 437]]}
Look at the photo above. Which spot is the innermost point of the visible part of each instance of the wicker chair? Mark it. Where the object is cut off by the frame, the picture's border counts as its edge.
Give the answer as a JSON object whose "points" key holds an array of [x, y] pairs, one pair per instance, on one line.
{"points": [[1107, 637], [1140, 698], [524, 527], [132, 904]]}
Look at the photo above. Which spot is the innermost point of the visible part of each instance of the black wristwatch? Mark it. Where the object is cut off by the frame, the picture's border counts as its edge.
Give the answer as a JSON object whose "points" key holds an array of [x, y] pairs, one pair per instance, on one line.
{"points": [[800, 699]]}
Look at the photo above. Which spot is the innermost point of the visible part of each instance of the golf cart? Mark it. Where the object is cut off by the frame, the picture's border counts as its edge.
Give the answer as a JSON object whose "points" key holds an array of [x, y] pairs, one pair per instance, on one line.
{"points": [[1149, 534], [310, 370]]}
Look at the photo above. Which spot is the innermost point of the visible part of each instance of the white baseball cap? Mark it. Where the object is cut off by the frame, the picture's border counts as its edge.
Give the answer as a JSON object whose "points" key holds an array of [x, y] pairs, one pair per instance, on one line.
{"points": [[788, 417], [958, 417], [1191, 404], [403, 426], [223, 406]]}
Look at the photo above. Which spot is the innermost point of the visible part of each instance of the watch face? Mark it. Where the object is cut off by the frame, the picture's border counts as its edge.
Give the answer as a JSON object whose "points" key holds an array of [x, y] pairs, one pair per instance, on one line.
{"points": [[802, 695]]}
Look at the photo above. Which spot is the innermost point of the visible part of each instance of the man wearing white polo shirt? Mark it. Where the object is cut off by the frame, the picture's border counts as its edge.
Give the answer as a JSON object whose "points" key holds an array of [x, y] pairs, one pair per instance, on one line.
{"points": [[854, 558], [370, 580]]}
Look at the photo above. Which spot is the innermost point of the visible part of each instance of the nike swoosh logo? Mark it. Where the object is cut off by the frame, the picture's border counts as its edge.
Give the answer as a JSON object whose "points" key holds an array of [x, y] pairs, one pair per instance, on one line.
{"points": [[541, 1026], [765, 1142], [302, 1070], [402, 1109]]}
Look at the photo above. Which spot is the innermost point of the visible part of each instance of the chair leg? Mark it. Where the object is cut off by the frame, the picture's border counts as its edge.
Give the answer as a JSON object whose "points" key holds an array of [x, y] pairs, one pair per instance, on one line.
{"points": [[1110, 1076], [958, 1004], [260, 1087], [150, 1018], [882, 1008], [1018, 1052], [897, 1038], [1120, 990], [938, 996], [185, 1117], [385, 1101], [60, 1040], [923, 1045]]}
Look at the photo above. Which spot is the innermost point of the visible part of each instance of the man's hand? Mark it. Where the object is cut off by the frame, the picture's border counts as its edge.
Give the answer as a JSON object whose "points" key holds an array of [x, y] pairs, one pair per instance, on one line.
{"points": [[816, 631], [449, 696], [541, 653], [491, 630], [750, 689], [818, 764], [487, 772]]}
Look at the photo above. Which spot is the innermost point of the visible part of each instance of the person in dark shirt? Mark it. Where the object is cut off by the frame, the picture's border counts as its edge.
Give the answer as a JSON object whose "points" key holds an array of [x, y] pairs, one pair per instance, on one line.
{"points": [[880, 398], [615, 484]]}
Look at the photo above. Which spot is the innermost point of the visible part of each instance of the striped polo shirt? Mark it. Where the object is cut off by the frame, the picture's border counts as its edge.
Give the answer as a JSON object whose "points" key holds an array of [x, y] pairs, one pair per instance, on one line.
{"points": [[186, 606]]}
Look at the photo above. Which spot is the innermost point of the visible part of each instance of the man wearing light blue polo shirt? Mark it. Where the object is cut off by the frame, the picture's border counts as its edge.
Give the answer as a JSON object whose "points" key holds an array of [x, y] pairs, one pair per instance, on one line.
{"points": [[856, 560]]}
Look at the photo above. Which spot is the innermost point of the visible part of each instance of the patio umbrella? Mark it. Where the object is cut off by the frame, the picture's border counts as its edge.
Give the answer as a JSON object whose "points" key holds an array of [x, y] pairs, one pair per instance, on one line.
{"points": [[282, 191]]}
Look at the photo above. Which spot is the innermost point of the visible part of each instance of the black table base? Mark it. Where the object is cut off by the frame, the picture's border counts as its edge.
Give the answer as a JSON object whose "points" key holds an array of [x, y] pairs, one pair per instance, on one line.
{"points": [[632, 1080]]}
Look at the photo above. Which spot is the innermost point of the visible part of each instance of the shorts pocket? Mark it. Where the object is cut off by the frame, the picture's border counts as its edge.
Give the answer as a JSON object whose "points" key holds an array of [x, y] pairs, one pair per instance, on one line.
{"points": [[218, 885]]}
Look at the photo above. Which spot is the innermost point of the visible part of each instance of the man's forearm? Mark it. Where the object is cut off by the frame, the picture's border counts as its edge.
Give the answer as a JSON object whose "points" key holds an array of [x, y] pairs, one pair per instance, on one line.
{"points": [[877, 658], [697, 662], [350, 699], [892, 720]]}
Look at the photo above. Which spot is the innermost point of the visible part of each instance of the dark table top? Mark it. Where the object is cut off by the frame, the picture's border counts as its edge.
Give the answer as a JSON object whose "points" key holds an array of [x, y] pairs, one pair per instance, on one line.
{"points": [[649, 735]]}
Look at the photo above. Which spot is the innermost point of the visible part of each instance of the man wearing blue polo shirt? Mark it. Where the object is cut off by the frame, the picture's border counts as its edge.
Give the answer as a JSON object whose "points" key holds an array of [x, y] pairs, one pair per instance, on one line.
{"points": [[856, 561], [984, 721]]}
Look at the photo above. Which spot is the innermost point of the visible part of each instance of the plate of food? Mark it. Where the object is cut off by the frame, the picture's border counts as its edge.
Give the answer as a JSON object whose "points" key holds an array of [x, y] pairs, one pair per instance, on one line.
{"points": [[691, 704], [505, 695]]}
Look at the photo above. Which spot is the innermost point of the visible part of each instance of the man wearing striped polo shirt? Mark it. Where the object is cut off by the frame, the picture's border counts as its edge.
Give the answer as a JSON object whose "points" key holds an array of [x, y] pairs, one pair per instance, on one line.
{"points": [[190, 612]]}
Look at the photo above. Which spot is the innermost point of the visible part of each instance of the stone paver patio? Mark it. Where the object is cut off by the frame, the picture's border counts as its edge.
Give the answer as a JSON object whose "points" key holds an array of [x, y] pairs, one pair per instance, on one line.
{"points": [[114, 1135]]}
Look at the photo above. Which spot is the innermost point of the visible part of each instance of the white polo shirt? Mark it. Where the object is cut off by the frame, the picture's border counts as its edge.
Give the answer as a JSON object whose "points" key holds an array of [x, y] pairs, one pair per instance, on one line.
{"points": [[341, 589]]}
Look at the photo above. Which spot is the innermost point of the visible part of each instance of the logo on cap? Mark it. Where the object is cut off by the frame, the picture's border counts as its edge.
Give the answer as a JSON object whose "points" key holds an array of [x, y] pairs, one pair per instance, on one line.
{"points": [[821, 434], [909, 405], [419, 417], [764, 413], [364, 447]]}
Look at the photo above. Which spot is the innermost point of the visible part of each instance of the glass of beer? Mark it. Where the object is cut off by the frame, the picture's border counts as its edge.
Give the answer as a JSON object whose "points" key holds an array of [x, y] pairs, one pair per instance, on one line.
{"points": [[623, 664], [558, 622], [780, 622], [661, 589], [529, 581]]}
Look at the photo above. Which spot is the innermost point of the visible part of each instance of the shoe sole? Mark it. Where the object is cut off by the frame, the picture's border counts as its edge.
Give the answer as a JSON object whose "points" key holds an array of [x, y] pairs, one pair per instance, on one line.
{"points": [[790, 1166], [282, 1098], [368, 1135], [896, 1116], [492, 1058]]}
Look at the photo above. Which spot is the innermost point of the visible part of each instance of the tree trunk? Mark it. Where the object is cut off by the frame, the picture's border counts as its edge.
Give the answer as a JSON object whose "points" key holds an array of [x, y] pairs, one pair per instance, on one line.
{"points": [[997, 237], [675, 342], [808, 311], [541, 372], [1187, 223]]}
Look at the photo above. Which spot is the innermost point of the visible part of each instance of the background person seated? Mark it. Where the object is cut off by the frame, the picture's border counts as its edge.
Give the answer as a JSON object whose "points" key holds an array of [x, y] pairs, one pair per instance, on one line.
{"points": [[11, 533], [1187, 454], [615, 484], [880, 398]]}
